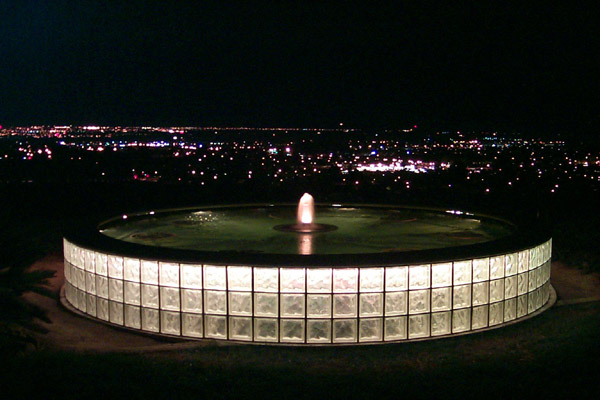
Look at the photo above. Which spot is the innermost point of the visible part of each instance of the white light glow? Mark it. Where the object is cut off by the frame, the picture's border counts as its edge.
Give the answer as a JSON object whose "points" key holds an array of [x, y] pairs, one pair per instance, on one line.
{"points": [[306, 209]]}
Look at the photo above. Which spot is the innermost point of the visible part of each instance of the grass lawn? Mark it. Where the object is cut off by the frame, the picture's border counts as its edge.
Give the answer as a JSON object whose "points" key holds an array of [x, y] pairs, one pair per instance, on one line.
{"points": [[554, 355]]}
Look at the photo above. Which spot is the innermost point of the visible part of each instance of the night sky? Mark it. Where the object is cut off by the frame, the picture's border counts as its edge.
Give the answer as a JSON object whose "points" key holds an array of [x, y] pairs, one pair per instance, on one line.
{"points": [[308, 64]]}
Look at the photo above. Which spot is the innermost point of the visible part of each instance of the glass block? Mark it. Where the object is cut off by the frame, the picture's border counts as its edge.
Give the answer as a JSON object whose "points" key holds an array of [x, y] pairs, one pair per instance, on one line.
{"points": [[370, 330], [69, 292], [82, 301], [481, 269], [441, 275], [344, 330], [511, 264], [496, 290], [510, 309], [149, 272], [395, 328], [480, 317], [292, 280], [214, 277], [531, 280], [216, 326], [191, 325], [538, 299], [74, 298], [170, 323], [90, 283], [418, 326], [168, 274], [266, 330], [396, 278], [371, 304], [67, 271], [396, 303], [71, 295], [522, 283], [90, 307], [150, 296], [215, 302], [539, 276], [510, 287], [89, 261], [266, 279], [191, 300], [344, 305], [530, 302], [461, 320], [371, 279], [75, 276], [101, 264], [191, 276], [418, 301], [318, 305], [523, 261], [533, 257], [292, 305], [318, 280], [240, 303], [345, 280], [481, 291], [115, 289], [496, 313], [150, 320], [545, 292], [462, 272], [240, 328], [292, 331], [418, 276], [497, 267], [66, 250], [462, 296], [169, 298], [239, 278], [77, 256], [132, 293], [115, 267], [440, 323], [318, 331], [131, 269], [266, 304], [441, 299], [133, 317], [80, 278], [115, 311], [521, 306], [102, 309]]}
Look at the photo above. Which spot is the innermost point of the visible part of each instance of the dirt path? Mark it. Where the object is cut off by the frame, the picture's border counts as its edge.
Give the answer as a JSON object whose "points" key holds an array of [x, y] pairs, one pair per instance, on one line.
{"points": [[69, 331]]}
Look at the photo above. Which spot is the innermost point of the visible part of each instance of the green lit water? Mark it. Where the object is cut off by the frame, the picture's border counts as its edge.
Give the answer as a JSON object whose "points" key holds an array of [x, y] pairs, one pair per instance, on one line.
{"points": [[360, 230]]}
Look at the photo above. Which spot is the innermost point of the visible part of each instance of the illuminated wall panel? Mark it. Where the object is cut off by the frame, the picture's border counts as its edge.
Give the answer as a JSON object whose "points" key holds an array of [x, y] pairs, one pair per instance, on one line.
{"points": [[321, 305]]}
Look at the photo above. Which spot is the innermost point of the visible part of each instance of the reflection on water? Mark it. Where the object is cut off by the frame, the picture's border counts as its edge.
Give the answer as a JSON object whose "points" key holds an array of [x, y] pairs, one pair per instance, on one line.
{"points": [[305, 244]]}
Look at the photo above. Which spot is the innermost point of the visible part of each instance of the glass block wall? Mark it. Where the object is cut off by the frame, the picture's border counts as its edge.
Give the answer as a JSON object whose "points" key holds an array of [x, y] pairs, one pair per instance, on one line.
{"points": [[307, 305]]}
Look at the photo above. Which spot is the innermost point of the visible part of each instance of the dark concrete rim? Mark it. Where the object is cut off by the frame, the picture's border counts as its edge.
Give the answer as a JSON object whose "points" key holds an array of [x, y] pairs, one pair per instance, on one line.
{"points": [[523, 237]]}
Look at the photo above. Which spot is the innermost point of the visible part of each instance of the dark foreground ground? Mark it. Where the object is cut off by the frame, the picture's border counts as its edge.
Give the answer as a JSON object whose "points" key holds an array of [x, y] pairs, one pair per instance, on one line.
{"points": [[554, 355]]}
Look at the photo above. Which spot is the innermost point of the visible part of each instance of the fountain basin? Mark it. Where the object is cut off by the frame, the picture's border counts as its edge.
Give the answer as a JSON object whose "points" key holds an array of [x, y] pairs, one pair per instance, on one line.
{"points": [[386, 274]]}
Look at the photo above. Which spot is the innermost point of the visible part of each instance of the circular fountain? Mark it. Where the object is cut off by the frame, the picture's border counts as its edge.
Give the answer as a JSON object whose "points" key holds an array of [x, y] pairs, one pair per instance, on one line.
{"points": [[335, 274]]}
